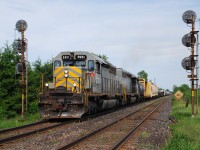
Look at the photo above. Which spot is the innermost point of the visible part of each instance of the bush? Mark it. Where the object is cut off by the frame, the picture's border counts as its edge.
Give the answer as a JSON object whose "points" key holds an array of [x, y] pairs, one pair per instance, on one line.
{"points": [[2, 113], [33, 107]]}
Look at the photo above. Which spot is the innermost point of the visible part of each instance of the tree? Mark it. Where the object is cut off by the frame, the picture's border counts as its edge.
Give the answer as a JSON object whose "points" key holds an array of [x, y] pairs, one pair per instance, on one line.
{"points": [[104, 57], [167, 90], [184, 88], [35, 76], [143, 74], [9, 87], [174, 88]]}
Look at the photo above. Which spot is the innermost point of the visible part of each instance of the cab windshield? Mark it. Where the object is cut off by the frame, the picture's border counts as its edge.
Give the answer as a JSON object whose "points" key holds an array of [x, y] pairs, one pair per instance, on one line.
{"points": [[57, 63], [80, 63], [68, 63]]}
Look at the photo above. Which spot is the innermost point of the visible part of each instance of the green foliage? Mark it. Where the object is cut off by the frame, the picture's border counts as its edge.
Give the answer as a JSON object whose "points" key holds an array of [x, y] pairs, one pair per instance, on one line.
{"points": [[2, 112], [33, 107], [9, 90], [186, 132], [143, 74], [17, 121], [10, 85], [104, 57], [183, 88], [46, 69]]}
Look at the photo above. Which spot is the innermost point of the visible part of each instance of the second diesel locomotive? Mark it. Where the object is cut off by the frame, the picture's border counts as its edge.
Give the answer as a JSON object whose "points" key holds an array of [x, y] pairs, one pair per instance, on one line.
{"points": [[84, 83]]}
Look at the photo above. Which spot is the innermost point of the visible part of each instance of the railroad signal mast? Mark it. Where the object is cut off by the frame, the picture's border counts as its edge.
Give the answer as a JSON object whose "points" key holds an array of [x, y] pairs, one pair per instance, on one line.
{"points": [[191, 63], [21, 46]]}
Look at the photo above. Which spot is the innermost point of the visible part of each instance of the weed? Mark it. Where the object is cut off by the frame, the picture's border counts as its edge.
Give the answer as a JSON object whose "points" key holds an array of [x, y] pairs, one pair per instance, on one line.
{"points": [[144, 134], [82, 134], [186, 132], [18, 121]]}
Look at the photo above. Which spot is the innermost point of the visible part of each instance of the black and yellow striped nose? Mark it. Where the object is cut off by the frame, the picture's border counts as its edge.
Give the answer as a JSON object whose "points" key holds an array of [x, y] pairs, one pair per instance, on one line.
{"points": [[68, 77]]}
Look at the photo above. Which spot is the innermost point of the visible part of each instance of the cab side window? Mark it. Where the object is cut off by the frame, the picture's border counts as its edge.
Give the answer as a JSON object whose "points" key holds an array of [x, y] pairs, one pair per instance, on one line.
{"points": [[98, 67], [90, 65], [57, 63]]}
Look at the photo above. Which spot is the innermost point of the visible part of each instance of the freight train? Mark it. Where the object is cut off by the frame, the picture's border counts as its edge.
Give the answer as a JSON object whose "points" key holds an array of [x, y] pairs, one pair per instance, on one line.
{"points": [[85, 83]]}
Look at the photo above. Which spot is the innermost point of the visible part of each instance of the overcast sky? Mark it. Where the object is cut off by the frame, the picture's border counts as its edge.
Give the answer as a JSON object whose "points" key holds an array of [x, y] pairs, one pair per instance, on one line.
{"points": [[135, 34]]}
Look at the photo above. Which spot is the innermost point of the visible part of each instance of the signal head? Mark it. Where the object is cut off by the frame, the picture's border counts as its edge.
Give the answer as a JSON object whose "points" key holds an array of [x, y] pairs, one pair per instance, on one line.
{"points": [[187, 63], [186, 40], [189, 16], [21, 25]]}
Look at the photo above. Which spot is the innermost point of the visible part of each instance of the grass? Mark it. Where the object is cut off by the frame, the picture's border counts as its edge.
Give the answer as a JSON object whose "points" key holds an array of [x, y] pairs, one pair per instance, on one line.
{"points": [[144, 134], [185, 133], [82, 134], [18, 121]]}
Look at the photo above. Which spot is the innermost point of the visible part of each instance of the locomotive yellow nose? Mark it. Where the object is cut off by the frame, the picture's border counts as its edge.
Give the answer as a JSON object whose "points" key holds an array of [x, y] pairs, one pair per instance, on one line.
{"points": [[68, 77]]}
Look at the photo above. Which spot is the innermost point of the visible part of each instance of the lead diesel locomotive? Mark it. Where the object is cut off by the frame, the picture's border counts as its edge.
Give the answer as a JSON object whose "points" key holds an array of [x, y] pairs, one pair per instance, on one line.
{"points": [[85, 83]]}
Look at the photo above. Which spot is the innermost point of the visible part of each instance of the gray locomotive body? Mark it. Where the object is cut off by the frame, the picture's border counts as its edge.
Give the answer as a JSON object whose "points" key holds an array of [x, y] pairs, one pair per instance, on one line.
{"points": [[85, 83]]}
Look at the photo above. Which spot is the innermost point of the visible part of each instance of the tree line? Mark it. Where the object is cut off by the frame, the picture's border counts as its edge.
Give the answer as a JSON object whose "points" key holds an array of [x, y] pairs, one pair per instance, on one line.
{"points": [[10, 83]]}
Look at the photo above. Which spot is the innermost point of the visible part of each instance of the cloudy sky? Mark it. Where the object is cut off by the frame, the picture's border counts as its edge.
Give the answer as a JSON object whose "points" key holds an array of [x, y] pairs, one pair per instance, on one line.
{"points": [[135, 34]]}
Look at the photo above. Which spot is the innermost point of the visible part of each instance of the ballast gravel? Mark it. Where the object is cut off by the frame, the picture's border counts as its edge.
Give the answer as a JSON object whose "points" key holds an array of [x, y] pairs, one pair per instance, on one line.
{"points": [[153, 135]]}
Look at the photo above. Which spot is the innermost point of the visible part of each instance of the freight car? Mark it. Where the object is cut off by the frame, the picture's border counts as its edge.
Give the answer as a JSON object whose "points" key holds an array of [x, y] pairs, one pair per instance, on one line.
{"points": [[85, 83], [150, 89], [161, 93]]}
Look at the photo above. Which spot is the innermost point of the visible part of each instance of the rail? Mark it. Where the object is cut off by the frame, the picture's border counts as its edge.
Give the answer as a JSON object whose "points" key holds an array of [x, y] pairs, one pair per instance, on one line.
{"points": [[80, 140], [21, 132]]}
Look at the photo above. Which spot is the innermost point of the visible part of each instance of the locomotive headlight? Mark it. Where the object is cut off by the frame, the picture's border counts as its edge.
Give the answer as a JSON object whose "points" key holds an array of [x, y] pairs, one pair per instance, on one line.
{"points": [[46, 84], [66, 73], [75, 90]]}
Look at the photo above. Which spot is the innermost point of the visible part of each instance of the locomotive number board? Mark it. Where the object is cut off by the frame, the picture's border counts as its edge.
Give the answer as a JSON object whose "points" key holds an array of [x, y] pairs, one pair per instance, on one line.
{"points": [[66, 57], [77, 57], [81, 57]]}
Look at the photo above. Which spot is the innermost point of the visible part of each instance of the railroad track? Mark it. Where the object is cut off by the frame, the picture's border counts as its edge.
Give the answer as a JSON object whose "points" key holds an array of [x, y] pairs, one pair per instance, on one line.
{"points": [[13, 134], [24, 126], [124, 142], [114, 135]]}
